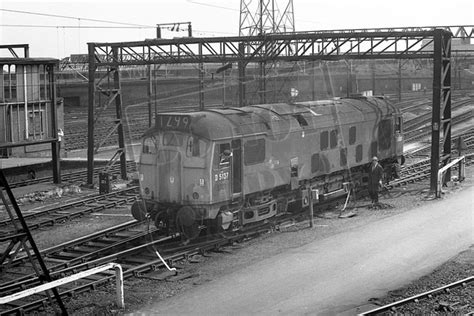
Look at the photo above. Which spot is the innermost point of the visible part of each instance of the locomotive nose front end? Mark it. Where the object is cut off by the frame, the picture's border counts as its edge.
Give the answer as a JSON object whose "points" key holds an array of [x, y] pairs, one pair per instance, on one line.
{"points": [[173, 172]]}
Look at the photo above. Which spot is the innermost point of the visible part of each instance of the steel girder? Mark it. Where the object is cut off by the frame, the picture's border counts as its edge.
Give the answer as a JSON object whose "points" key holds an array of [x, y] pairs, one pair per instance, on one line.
{"points": [[273, 47], [441, 116], [404, 43], [12, 48]]}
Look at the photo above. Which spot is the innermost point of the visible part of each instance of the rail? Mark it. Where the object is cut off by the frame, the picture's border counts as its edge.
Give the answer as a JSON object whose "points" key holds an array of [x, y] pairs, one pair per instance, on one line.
{"points": [[462, 163], [71, 278], [393, 306]]}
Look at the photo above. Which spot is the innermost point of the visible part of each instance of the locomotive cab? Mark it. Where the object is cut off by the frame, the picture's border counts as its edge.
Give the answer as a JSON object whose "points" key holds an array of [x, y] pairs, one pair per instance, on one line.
{"points": [[185, 178]]}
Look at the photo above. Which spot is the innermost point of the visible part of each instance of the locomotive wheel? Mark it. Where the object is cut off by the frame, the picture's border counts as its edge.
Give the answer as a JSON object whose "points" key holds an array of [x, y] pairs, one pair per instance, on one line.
{"points": [[186, 223], [139, 211]]}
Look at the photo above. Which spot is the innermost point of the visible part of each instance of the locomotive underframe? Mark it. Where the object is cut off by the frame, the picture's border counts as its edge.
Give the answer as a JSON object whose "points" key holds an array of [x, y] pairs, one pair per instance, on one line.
{"points": [[259, 206]]}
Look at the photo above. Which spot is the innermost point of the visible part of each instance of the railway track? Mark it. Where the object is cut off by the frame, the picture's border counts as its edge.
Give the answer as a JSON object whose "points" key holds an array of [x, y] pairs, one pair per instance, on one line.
{"points": [[428, 298], [135, 260], [66, 212], [422, 120], [424, 149], [125, 245], [129, 244], [75, 176]]}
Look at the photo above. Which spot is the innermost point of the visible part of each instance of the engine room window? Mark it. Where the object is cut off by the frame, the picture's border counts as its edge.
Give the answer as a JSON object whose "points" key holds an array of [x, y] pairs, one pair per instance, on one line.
{"points": [[333, 138], [324, 140], [172, 139], [150, 145], [254, 151], [315, 163], [359, 153], [343, 156], [352, 135]]}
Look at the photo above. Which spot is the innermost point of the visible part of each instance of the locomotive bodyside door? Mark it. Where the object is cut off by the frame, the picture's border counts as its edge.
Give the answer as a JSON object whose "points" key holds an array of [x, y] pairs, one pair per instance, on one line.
{"points": [[236, 168]]}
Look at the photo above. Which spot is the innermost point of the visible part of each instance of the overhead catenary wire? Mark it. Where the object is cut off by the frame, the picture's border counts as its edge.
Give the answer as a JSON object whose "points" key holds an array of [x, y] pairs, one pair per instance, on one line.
{"points": [[74, 18]]}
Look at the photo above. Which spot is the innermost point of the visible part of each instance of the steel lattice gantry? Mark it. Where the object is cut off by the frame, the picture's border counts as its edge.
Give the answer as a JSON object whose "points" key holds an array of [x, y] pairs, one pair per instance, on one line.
{"points": [[416, 43]]}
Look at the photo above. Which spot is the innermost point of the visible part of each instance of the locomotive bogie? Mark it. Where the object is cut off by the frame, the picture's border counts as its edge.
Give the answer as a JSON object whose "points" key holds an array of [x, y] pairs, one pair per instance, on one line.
{"points": [[232, 167]]}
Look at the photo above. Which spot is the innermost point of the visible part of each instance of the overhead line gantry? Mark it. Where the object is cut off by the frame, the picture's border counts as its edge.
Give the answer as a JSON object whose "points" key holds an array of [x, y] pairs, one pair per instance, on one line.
{"points": [[406, 43]]}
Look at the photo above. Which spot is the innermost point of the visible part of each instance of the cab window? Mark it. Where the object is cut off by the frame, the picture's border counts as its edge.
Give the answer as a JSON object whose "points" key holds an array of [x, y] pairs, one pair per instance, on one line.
{"points": [[172, 139], [196, 147], [224, 155], [150, 145]]}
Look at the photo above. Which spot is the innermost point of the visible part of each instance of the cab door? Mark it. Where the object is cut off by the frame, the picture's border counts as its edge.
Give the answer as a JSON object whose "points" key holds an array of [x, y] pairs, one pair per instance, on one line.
{"points": [[222, 171]]}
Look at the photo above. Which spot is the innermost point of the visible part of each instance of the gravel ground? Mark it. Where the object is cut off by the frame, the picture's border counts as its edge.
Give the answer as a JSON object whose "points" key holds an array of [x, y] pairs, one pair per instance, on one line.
{"points": [[142, 291], [458, 301]]}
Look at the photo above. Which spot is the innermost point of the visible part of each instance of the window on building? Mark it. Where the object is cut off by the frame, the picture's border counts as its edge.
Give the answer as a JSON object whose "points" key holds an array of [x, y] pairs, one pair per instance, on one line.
{"points": [[254, 151], [324, 140], [36, 124]]}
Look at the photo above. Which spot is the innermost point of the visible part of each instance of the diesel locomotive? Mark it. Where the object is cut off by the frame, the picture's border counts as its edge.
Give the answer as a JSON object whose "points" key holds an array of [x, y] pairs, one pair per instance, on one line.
{"points": [[225, 168]]}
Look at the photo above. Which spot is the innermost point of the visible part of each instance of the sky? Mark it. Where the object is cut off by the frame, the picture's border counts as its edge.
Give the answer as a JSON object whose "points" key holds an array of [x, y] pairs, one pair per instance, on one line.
{"points": [[58, 37]]}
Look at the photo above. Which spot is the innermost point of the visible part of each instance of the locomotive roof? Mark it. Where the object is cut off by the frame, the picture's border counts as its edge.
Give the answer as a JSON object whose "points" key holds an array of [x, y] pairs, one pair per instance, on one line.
{"points": [[280, 118]]}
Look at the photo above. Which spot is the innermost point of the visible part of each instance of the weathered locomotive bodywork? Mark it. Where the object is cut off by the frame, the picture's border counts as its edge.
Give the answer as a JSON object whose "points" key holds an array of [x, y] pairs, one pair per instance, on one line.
{"points": [[224, 168]]}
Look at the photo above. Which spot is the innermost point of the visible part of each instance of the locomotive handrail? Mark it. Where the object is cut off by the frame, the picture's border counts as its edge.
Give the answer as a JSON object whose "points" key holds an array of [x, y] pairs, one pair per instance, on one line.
{"points": [[462, 162]]}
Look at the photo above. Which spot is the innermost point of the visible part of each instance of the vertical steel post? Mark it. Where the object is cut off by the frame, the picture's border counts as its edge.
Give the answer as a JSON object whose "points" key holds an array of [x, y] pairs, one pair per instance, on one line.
{"points": [[327, 80], [446, 101], [190, 30], [150, 93], [262, 83], [372, 68], [241, 66], [436, 108], [311, 209], [313, 81], [399, 80], [118, 110], [26, 49], [349, 79], [54, 126], [201, 79], [90, 119]]}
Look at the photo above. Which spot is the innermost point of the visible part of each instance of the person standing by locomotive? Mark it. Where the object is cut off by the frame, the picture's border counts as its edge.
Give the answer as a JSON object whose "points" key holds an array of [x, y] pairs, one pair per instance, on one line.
{"points": [[375, 180]]}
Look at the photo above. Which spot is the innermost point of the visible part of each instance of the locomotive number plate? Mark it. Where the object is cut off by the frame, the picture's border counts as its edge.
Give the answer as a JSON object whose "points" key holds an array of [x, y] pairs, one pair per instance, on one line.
{"points": [[173, 122], [221, 176]]}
